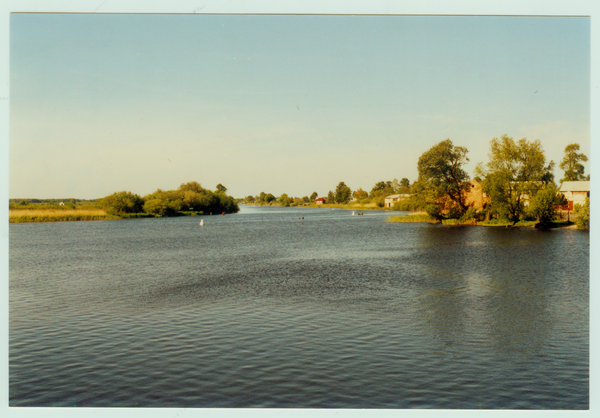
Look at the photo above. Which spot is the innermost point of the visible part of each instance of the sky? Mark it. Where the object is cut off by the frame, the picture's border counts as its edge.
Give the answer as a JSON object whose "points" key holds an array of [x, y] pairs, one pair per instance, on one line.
{"points": [[282, 103]]}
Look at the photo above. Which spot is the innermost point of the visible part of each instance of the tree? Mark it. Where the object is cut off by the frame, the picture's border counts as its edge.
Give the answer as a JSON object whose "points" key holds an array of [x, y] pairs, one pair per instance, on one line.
{"points": [[441, 173], [122, 202], [542, 206], [221, 188], [343, 193], [360, 194], [330, 197], [313, 196], [382, 186], [192, 186], [514, 174], [284, 200], [404, 183], [582, 215], [574, 171]]}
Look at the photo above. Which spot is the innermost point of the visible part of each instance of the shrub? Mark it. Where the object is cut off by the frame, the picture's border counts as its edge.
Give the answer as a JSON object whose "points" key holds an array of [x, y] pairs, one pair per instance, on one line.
{"points": [[542, 205], [433, 211], [122, 202], [582, 215]]}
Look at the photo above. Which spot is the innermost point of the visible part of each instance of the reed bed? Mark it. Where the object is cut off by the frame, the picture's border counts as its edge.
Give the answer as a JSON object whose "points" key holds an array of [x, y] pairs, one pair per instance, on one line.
{"points": [[413, 218], [56, 215]]}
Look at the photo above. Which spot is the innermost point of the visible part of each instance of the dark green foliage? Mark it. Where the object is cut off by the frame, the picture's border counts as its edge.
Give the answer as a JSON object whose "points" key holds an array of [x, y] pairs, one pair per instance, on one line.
{"points": [[190, 197], [313, 196], [542, 207], [470, 215], [221, 188], [266, 198], [284, 200], [440, 172], [330, 197], [122, 202], [343, 193], [574, 170], [404, 182], [433, 211]]}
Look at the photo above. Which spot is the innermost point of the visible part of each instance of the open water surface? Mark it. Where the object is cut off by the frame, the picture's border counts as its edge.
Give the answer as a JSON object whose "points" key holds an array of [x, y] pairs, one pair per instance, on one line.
{"points": [[263, 309]]}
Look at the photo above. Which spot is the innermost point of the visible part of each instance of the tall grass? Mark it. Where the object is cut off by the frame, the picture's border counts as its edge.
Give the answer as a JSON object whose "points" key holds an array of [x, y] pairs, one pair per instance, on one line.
{"points": [[418, 217], [56, 215]]}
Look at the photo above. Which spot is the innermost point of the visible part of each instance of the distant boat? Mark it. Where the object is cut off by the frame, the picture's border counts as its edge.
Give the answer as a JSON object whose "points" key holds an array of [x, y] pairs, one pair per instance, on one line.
{"points": [[201, 222]]}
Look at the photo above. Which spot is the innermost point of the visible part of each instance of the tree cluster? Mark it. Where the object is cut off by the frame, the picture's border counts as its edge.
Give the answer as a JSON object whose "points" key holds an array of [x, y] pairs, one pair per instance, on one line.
{"points": [[190, 197], [517, 178]]}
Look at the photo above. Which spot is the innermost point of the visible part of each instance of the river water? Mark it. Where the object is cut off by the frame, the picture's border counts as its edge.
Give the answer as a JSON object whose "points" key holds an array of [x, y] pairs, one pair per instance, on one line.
{"points": [[263, 309]]}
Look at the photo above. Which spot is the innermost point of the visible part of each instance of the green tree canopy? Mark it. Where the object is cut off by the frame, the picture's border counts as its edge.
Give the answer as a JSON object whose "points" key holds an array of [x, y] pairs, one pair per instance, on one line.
{"points": [[330, 197], [122, 202], [404, 182], [542, 206], [582, 215], [514, 174], [192, 186], [313, 196], [441, 173], [360, 194], [189, 196], [574, 170], [343, 193], [284, 200], [221, 188]]}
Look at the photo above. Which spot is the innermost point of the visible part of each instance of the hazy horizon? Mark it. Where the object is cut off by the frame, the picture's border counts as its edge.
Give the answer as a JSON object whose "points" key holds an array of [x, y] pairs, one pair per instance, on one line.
{"points": [[281, 104]]}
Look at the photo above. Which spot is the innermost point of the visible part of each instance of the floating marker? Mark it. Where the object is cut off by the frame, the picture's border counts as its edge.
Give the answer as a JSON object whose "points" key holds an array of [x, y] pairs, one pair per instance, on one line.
{"points": [[201, 222], [352, 213]]}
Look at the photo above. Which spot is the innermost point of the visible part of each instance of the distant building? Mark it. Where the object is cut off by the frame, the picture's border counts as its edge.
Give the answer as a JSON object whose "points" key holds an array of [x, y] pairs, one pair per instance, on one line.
{"points": [[575, 192], [390, 200], [319, 201]]}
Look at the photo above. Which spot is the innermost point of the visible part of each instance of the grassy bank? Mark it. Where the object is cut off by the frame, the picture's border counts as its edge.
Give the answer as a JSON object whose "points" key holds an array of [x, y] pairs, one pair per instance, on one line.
{"points": [[413, 217], [423, 217], [57, 215]]}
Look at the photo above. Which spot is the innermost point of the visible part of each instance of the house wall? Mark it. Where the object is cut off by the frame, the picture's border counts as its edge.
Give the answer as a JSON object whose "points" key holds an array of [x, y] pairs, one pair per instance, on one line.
{"points": [[475, 196]]}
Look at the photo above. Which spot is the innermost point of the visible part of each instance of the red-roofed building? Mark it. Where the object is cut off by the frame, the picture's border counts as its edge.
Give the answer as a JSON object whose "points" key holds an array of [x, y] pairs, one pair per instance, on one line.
{"points": [[320, 200]]}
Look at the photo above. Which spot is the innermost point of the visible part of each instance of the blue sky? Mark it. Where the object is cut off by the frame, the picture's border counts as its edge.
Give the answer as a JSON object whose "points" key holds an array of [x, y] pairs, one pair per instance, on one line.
{"points": [[280, 104]]}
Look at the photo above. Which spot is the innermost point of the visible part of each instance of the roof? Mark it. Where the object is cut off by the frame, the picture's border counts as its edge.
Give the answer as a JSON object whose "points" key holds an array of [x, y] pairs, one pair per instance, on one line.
{"points": [[395, 196], [575, 186], [320, 198]]}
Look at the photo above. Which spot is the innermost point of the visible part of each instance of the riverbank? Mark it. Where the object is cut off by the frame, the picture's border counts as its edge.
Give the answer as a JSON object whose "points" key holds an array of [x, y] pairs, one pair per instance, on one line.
{"points": [[422, 217], [350, 206]]}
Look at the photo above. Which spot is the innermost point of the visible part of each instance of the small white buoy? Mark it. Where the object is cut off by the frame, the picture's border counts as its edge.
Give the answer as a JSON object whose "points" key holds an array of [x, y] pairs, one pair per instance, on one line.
{"points": [[352, 213], [201, 222]]}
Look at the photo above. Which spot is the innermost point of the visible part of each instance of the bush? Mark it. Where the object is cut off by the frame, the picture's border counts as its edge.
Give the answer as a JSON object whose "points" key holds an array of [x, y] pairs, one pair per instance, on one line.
{"points": [[582, 215], [542, 205], [470, 215], [433, 211], [122, 202]]}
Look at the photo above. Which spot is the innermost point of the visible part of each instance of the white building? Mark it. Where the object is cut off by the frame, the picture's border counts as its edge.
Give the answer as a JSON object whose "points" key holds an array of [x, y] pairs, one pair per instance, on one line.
{"points": [[575, 192], [390, 200]]}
